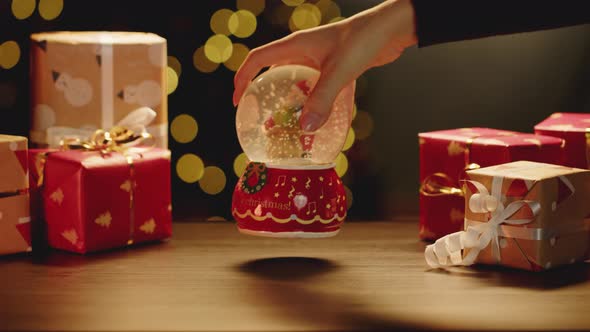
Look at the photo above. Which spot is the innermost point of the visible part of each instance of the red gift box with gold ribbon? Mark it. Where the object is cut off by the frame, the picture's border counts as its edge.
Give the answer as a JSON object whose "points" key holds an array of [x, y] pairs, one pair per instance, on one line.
{"points": [[93, 201], [574, 129], [15, 234], [445, 156]]}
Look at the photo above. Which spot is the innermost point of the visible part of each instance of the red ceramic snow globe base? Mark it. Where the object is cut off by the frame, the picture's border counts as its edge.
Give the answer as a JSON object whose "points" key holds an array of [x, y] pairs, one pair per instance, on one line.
{"points": [[279, 201], [290, 188]]}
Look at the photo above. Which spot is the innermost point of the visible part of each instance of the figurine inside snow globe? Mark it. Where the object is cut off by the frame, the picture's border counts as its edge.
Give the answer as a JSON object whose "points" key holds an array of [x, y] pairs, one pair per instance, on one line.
{"points": [[290, 187]]}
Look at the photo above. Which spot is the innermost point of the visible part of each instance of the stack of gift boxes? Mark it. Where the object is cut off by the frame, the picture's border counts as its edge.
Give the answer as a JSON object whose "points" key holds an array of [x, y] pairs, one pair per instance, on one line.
{"points": [[97, 174], [501, 197]]}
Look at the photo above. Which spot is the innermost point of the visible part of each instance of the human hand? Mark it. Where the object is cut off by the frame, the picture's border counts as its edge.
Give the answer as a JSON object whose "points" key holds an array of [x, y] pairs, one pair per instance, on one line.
{"points": [[341, 51]]}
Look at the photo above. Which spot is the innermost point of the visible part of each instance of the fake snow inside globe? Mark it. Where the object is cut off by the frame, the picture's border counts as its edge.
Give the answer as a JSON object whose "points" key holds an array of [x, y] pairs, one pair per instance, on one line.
{"points": [[290, 187]]}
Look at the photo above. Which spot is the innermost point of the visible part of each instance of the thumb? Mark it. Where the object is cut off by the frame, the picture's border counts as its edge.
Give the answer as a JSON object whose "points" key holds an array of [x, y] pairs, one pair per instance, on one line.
{"points": [[318, 107]]}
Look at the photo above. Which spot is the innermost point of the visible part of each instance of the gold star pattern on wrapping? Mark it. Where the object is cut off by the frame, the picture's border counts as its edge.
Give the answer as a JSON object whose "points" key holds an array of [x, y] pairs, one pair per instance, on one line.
{"points": [[293, 179], [149, 226], [104, 220], [328, 206], [321, 179], [454, 149], [71, 235], [421, 141], [57, 196], [276, 195], [126, 186], [456, 216]]}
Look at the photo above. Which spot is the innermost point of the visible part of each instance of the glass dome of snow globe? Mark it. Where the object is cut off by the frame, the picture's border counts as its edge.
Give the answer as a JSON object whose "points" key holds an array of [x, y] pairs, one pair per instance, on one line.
{"points": [[267, 119]]}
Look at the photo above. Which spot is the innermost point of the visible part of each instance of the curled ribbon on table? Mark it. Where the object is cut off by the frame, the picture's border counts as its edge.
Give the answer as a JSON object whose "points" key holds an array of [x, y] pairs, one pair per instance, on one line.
{"points": [[447, 251], [137, 121]]}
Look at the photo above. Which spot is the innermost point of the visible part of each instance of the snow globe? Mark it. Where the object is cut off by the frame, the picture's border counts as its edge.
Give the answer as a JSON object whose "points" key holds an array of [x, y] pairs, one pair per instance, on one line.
{"points": [[290, 187]]}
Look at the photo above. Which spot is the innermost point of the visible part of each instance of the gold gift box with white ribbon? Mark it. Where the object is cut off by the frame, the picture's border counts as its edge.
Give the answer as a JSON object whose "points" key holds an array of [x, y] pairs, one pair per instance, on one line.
{"points": [[524, 215]]}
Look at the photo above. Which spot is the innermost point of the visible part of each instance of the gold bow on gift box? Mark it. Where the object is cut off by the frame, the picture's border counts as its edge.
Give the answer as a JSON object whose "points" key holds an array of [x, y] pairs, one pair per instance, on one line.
{"points": [[118, 139], [440, 184]]}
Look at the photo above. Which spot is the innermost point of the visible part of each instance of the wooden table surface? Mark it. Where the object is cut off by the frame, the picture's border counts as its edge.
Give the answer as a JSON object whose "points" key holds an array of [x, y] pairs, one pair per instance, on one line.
{"points": [[371, 276]]}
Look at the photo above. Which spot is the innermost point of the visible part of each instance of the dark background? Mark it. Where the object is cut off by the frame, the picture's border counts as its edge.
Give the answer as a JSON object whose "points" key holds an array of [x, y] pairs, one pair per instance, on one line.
{"points": [[509, 82]]}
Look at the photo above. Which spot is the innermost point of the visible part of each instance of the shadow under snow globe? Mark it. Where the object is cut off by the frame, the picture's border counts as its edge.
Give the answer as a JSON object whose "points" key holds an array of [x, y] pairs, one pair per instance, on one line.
{"points": [[290, 187]]}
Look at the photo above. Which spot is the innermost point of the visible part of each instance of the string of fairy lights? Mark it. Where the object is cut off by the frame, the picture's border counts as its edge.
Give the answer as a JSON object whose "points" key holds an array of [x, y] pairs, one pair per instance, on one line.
{"points": [[224, 48]]}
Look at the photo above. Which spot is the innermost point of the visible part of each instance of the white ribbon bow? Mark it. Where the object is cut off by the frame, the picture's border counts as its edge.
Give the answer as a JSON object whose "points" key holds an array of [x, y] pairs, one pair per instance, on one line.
{"points": [[137, 121], [447, 251]]}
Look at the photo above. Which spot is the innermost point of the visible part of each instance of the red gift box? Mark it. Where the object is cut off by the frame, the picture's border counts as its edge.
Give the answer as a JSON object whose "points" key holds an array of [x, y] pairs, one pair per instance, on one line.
{"points": [[93, 201], [574, 129], [445, 156]]}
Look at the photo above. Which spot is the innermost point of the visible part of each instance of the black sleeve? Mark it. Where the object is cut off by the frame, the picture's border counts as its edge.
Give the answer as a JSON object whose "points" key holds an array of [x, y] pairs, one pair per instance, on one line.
{"points": [[440, 21]]}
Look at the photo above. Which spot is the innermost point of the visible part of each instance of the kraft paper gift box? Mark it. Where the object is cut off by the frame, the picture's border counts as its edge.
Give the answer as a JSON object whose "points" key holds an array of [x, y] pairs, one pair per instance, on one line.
{"points": [[445, 156], [15, 229], [523, 215], [83, 81], [574, 129], [93, 201]]}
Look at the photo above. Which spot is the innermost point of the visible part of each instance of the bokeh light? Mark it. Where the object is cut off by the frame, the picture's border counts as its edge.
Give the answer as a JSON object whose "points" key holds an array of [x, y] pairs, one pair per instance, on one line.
{"points": [[190, 168], [22, 9], [349, 140], [329, 10], [174, 63], [240, 164], [171, 80], [9, 54], [254, 6], [201, 62], [7, 95], [238, 56], [341, 164], [219, 22], [242, 23], [184, 128], [363, 125], [293, 3], [50, 9], [305, 16], [213, 180], [349, 197], [218, 48]]}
